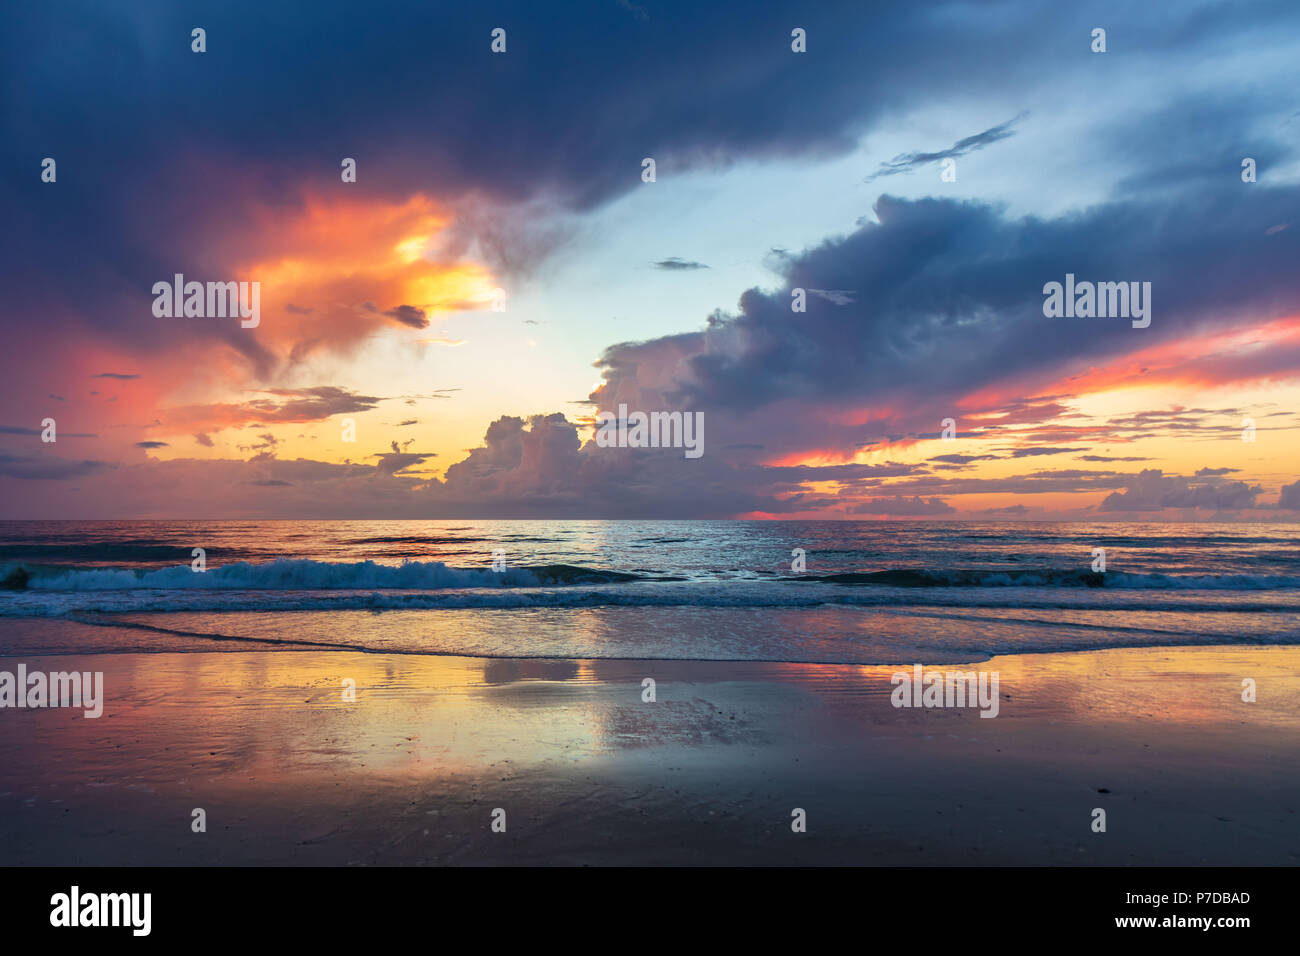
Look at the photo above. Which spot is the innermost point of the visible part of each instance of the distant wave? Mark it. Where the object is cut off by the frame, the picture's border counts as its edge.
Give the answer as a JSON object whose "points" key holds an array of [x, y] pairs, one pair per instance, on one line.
{"points": [[415, 539], [1054, 578], [290, 574], [287, 574], [774, 594], [138, 551]]}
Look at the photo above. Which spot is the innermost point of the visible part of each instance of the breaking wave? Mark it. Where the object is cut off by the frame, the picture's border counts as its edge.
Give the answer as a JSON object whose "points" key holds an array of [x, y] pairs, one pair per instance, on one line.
{"points": [[285, 574]]}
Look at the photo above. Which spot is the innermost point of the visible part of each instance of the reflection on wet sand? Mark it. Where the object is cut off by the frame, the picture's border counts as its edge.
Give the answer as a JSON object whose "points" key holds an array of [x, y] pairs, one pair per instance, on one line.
{"points": [[267, 714], [268, 745]]}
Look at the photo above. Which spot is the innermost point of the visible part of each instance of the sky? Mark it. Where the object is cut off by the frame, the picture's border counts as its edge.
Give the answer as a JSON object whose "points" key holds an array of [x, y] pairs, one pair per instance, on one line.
{"points": [[437, 337]]}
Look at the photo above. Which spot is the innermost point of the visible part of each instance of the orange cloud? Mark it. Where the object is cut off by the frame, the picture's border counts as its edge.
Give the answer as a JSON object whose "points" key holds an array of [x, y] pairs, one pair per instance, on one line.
{"points": [[333, 273], [340, 269], [1238, 356]]}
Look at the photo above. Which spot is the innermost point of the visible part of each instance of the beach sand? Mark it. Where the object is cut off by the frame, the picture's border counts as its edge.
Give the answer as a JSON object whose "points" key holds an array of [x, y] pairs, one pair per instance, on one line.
{"points": [[288, 772]]}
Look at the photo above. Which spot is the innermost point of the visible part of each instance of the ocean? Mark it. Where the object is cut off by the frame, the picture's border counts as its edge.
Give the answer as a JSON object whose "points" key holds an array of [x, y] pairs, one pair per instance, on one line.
{"points": [[869, 592]]}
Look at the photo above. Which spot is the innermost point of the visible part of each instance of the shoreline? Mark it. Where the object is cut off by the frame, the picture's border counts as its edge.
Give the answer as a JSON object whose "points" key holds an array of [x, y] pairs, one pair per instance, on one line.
{"points": [[838, 632]]}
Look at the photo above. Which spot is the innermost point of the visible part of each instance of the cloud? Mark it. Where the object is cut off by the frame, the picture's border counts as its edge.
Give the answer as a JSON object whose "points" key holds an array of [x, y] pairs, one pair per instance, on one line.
{"points": [[1289, 499], [390, 463], [265, 447], [1200, 134], [963, 459], [937, 302], [1053, 481], [900, 506], [951, 307], [905, 162], [1035, 452], [539, 467], [265, 191], [635, 9], [284, 405], [151, 444], [29, 468], [20, 430], [674, 264], [835, 296], [1152, 490], [409, 315], [117, 375]]}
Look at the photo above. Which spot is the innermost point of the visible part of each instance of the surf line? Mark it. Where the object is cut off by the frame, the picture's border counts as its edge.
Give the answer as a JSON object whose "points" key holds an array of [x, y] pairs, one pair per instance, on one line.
{"points": [[94, 621]]}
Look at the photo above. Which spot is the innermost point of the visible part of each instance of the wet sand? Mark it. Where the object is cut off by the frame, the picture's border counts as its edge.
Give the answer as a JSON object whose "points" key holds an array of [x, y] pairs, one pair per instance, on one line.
{"points": [[288, 772]]}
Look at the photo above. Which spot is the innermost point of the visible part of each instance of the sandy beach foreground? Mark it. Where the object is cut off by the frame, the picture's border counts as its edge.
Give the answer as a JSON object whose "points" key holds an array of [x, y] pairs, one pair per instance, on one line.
{"points": [[288, 772]]}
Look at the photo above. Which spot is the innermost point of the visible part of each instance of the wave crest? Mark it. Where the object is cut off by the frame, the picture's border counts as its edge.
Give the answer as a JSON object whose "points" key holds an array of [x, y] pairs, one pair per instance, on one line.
{"points": [[289, 574]]}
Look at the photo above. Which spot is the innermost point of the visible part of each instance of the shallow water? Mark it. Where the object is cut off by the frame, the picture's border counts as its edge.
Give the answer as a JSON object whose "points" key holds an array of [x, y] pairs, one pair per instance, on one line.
{"points": [[872, 592]]}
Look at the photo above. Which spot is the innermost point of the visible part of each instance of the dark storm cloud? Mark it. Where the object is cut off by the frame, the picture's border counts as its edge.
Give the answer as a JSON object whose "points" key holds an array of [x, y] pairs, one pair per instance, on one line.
{"points": [[413, 93], [287, 92], [952, 301], [1203, 139], [160, 150]]}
